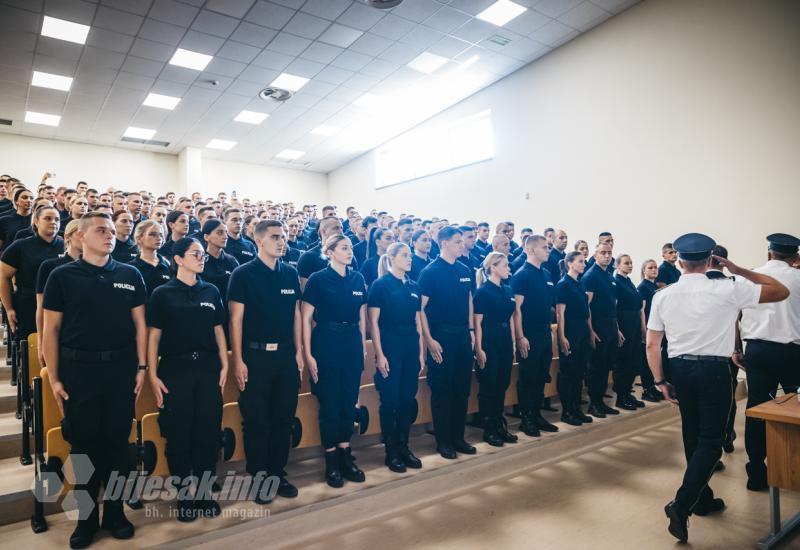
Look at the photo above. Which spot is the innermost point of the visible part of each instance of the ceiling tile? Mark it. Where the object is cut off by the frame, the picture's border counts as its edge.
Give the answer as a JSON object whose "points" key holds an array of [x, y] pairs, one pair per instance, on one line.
{"points": [[152, 50], [59, 49], [214, 23], [556, 8], [327, 9], [449, 47], [269, 15], [339, 35], [273, 60], [161, 32], [418, 10], [370, 44], [523, 49], [360, 16], [392, 27], [201, 43], [422, 37], [139, 7], [475, 30], [211, 81], [246, 88], [178, 74], [472, 7], [102, 59], [253, 35], [12, 89], [446, 20], [304, 68], [307, 26], [142, 66], [85, 85], [294, 4], [352, 61], [109, 40], [379, 68], [76, 11], [92, 73], [234, 8], [237, 51], [289, 44], [551, 33], [20, 20], [170, 11], [400, 53], [527, 22], [582, 15], [118, 21], [262, 75], [167, 87], [322, 53], [135, 81], [334, 75], [362, 82], [318, 88]]}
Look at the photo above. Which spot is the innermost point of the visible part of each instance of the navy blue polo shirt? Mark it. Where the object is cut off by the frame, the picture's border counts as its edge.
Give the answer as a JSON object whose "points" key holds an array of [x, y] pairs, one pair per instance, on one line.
{"points": [[47, 268], [125, 251], [217, 271], [369, 269], [628, 298], [154, 275], [668, 273], [269, 297], [298, 244], [10, 225], [417, 265], [519, 262], [186, 316], [360, 252], [241, 249], [292, 256], [26, 256], [398, 301], [448, 288], [535, 285], [570, 293], [336, 299], [647, 289], [601, 284], [495, 303], [96, 303], [435, 250], [552, 264]]}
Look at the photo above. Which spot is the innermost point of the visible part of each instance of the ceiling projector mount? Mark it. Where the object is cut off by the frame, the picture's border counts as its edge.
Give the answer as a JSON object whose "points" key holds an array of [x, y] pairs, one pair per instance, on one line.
{"points": [[383, 4], [275, 94]]}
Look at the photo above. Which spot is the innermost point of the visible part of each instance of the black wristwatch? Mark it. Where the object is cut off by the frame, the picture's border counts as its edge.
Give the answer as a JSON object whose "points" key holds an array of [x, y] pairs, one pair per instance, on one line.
{"points": [[145, 368], [660, 383]]}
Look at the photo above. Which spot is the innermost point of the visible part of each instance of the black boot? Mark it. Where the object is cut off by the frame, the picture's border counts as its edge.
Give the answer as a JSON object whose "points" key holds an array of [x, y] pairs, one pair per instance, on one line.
{"points": [[528, 426], [84, 532], [578, 413], [114, 520], [502, 431], [393, 460], [543, 424], [333, 475], [406, 455], [490, 434], [185, 510], [347, 466], [547, 406], [596, 411], [568, 417]]}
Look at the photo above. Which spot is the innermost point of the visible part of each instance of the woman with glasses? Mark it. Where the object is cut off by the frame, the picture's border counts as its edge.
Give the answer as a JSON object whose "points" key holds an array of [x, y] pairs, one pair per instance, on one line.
{"points": [[219, 264], [125, 249], [185, 319], [155, 269]]}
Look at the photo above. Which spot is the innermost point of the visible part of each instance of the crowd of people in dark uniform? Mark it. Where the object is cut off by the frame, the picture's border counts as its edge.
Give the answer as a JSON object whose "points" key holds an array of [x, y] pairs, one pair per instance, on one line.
{"points": [[126, 289]]}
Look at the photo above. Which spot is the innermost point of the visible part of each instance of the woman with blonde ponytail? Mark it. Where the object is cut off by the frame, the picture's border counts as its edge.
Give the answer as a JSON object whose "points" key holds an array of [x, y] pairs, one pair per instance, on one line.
{"points": [[494, 345], [394, 316]]}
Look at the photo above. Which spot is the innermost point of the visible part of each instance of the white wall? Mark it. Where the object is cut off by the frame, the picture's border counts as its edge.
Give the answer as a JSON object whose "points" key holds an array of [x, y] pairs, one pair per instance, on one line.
{"points": [[675, 116]]}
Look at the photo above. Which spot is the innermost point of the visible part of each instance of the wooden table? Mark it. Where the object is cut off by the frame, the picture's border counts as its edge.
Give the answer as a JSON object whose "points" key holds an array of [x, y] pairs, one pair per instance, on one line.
{"points": [[783, 456]]}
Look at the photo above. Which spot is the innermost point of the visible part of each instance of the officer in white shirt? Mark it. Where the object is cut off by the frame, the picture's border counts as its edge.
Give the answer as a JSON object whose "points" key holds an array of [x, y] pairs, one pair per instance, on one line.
{"points": [[698, 352], [772, 350]]}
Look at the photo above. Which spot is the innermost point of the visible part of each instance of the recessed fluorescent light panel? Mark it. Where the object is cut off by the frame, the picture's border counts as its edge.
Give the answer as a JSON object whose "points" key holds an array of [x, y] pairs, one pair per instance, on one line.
{"points": [[64, 30], [324, 130], [427, 62], [290, 154], [501, 12], [190, 60], [54, 81], [251, 117], [222, 144], [139, 133], [42, 118], [289, 82], [161, 101]]}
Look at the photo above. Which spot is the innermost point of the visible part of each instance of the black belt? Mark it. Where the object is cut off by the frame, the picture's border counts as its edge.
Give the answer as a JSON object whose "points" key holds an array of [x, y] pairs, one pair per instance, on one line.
{"points": [[338, 327], [398, 326], [95, 356], [711, 358], [192, 356], [451, 329], [267, 346]]}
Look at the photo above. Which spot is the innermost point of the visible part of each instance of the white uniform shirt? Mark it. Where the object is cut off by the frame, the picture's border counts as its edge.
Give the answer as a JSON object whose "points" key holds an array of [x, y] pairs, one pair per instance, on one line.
{"points": [[697, 313], [778, 321]]}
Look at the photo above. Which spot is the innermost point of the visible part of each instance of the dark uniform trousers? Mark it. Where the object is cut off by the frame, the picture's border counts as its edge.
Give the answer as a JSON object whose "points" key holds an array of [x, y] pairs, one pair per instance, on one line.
{"points": [[704, 395], [191, 417], [534, 370], [626, 367], [339, 352], [98, 414], [398, 391], [450, 382], [268, 405], [768, 364], [495, 376], [603, 357], [572, 367], [645, 374], [730, 432]]}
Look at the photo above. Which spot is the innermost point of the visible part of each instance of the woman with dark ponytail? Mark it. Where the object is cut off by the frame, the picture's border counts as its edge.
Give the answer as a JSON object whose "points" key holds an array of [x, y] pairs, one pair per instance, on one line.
{"points": [[421, 243], [494, 345], [379, 241], [394, 306]]}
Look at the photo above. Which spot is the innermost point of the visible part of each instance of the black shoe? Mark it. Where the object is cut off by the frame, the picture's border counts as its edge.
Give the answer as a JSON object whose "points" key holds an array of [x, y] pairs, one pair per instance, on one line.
{"points": [[207, 508], [503, 432], [757, 484], [491, 437], [114, 520], [528, 426], [678, 522], [625, 405], [716, 505], [585, 418], [595, 411], [728, 446], [465, 448], [83, 535], [333, 475], [719, 466], [544, 425], [606, 409], [348, 468], [286, 489], [546, 406], [639, 404], [571, 419], [394, 462], [185, 511], [446, 451], [409, 459], [650, 395]]}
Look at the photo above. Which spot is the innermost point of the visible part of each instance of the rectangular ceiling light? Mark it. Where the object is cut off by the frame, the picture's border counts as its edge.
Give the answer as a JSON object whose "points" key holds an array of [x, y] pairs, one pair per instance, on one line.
{"points": [[64, 30], [289, 82], [140, 133], [161, 101], [190, 60], [42, 118], [427, 62], [290, 154], [54, 81], [222, 144], [501, 12], [251, 117], [324, 130]]}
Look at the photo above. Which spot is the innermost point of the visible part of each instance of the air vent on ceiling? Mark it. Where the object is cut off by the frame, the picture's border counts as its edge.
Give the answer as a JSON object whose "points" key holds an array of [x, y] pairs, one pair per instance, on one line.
{"points": [[146, 141], [276, 94], [5, 122], [383, 4], [499, 40]]}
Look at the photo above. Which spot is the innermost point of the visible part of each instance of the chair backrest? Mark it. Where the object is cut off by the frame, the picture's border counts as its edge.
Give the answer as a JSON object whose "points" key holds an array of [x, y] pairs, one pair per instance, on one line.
{"points": [[51, 414], [146, 403], [33, 357]]}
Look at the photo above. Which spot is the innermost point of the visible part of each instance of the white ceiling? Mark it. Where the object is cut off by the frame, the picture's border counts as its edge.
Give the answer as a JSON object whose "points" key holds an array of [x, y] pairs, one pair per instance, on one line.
{"points": [[344, 47]]}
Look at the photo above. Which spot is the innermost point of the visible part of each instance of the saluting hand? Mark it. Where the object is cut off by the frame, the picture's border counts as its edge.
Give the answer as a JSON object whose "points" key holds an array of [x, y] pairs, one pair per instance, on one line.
{"points": [[435, 349], [60, 395], [382, 364], [241, 375], [523, 346], [159, 389]]}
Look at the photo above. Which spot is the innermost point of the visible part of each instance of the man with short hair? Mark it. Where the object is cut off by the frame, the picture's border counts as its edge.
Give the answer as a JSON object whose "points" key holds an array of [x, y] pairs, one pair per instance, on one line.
{"points": [[482, 240], [405, 231], [237, 246], [92, 196], [557, 254], [293, 232], [60, 206], [133, 204], [667, 272], [118, 203]]}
